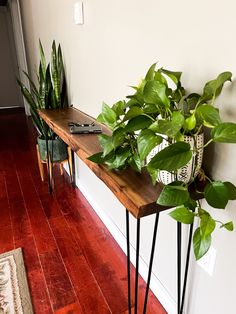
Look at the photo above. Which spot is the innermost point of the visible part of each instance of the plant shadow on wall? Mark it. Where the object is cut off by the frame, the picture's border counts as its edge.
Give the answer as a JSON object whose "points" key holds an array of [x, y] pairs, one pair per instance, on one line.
{"points": [[161, 128], [49, 92]]}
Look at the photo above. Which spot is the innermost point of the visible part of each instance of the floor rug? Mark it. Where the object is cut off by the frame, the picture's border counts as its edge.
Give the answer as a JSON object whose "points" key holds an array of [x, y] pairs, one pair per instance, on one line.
{"points": [[14, 292]]}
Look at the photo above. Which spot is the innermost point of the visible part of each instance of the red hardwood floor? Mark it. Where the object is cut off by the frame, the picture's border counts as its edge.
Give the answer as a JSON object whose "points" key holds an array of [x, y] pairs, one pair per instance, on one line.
{"points": [[73, 264]]}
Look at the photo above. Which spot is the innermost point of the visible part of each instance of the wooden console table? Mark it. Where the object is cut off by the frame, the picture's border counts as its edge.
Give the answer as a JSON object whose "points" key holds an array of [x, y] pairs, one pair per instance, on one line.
{"points": [[135, 191]]}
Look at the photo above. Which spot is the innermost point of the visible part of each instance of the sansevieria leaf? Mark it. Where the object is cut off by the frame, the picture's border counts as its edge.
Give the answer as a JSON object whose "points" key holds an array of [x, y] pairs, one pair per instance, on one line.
{"points": [[55, 73]]}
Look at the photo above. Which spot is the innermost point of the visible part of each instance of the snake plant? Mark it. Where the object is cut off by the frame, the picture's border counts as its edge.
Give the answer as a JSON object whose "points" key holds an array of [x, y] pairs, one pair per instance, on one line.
{"points": [[49, 92]]}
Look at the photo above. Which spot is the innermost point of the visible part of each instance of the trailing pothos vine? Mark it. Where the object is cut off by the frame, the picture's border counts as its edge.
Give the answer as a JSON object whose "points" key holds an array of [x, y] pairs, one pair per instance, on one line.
{"points": [[161, 110]]}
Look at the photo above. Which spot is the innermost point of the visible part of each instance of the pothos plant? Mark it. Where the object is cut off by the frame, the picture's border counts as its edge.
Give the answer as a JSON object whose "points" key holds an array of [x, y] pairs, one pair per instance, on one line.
{"points": [[160, 110]]}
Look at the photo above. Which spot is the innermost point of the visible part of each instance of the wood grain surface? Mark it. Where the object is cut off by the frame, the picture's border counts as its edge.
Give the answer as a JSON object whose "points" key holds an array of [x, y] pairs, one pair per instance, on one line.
{"points": [[135, 191]]}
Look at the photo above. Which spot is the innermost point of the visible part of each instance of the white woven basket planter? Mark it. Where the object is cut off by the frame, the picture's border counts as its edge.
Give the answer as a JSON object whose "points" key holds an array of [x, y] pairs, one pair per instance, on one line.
{"points": [[187, 173]]}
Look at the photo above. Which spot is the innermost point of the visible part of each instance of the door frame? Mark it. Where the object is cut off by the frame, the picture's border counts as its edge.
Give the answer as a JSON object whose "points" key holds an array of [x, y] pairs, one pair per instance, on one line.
{"points": [[15, 11]]}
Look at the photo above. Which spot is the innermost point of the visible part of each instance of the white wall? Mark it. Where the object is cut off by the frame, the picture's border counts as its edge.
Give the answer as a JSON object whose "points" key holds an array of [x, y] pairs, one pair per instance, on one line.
{"points": [[112, 50]]}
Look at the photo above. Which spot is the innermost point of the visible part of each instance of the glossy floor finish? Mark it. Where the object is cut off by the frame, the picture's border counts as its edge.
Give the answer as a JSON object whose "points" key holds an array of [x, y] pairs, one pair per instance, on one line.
{"points": [[73, 264]]}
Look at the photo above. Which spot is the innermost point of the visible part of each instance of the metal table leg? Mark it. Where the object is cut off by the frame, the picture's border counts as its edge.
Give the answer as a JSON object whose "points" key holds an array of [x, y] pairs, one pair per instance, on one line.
{"points": [[49, 162], [128, 260], [186, 268], [179, 236], [137, 263], [137, 266], [151, 262]]}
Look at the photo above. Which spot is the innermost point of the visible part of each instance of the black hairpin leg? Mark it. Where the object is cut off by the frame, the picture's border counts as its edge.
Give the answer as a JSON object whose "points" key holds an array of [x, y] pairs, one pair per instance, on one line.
{"points": [[178, 266], [151, 262], [128, 261], [137, 266], [186, 267], [49, 162]]}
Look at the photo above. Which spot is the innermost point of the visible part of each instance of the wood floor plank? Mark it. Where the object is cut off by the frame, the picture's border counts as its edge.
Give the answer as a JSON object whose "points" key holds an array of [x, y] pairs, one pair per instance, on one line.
{"points": [[60, 289], [38, 291], [86, 287], [20, 220], [6, 239], [73, 308], [30, 254]]}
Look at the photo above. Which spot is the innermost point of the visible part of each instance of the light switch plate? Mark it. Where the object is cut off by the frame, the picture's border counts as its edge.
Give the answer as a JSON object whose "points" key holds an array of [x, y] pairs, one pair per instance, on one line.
{"points": [[78, 13], [207, 262]]}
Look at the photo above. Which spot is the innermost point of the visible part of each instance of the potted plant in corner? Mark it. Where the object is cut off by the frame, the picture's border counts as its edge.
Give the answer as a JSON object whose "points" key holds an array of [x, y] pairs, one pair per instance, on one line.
{"points": [[160, 127], [48, 93]]}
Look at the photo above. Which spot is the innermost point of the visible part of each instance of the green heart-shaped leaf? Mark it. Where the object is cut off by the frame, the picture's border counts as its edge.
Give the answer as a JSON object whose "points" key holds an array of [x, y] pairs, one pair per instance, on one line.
{"points": [[132, 113], [216, 194], [207, 225], [135, 162], [228, 226], [173, 194], [138, 123], [150, 73], [224, 133], [175, 76], [231, 190], [155, 93], [107, 143], [146, 141], [200, 244], [208, 115], [182, 214], [120, 158], [108, 116], [213, 88], [172, 127], [172, 157]]}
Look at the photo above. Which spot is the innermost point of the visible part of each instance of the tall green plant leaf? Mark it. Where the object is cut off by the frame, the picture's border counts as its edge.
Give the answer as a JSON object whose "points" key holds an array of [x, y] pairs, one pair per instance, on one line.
{"points": [[42, 59], [55, 74], [60, 66]]}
